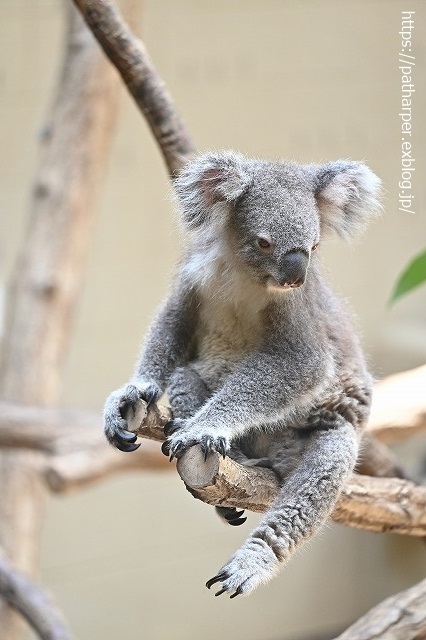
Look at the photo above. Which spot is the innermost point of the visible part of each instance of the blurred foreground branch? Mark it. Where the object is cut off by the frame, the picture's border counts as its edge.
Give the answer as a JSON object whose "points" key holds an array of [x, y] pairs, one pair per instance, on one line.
{"points": [[32, 602]]}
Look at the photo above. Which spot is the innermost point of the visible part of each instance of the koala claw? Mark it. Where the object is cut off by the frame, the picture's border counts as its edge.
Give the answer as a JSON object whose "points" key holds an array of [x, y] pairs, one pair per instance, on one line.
{"points": [[150, 396], [210, 444], [170, 427], [222, 447], [165, 448], [253, 564], [126, 447], [124, 440], [218, 578], [231, 515], [125, 436], [182, 434], [178, 450], [221, 577]]}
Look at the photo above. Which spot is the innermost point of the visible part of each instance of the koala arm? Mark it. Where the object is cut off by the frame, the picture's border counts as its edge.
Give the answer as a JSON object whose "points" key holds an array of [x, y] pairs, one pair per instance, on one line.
{"points": [[169, 340], [267, 385], [167, 346]]}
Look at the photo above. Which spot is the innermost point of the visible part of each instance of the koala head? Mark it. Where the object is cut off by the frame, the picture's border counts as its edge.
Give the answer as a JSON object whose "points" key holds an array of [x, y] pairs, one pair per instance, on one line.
{"points": [[270, 215]]}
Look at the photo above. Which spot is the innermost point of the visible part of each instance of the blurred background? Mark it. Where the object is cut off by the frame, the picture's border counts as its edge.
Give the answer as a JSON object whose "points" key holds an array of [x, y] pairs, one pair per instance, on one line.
{"points": [[311, 81]]}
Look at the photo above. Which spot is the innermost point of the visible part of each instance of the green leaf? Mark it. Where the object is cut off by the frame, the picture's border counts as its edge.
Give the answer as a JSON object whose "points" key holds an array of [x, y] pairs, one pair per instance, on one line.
{"points": [[411, 277]]}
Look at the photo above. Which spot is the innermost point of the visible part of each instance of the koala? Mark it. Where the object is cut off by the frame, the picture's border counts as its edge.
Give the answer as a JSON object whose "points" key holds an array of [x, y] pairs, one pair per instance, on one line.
{"points": [[257, 355]]}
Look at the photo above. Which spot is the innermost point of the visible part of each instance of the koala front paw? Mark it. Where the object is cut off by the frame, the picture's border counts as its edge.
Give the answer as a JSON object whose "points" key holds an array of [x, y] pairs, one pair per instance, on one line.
{"points": [[118, 404], [181, 435]]}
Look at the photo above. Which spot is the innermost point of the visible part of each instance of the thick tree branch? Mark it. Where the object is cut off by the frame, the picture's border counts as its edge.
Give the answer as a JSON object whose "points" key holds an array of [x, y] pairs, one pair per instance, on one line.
{"points": [[374, 504], [32, 603], [78, 453], [63, 431], [400, 617], [128, 54], [82, 457]]}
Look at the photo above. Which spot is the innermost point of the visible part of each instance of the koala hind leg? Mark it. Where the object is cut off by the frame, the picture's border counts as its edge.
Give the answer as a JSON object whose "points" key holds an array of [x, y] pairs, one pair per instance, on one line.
{"points": [[187, 392], [306, 497]]}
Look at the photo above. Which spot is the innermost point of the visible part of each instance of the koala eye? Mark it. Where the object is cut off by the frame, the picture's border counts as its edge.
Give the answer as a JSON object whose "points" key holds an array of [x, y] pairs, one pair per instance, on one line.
{"points": [[263, 243], [315, 246]]}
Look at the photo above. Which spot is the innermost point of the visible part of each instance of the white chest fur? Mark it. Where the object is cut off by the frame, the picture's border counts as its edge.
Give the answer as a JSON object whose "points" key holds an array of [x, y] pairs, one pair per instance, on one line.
{"points": [[230, 325]]}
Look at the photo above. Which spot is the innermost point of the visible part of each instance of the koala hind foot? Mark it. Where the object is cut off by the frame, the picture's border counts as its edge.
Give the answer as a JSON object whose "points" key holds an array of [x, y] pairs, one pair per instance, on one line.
{"points": [[252, 565]]}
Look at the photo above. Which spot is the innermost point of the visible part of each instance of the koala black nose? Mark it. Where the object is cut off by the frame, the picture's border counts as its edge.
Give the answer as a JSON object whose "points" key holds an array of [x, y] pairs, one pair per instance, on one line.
{"points": [[293, 268]]}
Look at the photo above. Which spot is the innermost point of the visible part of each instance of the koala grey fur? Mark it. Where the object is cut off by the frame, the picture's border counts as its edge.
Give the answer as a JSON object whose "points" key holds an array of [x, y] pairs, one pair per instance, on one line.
{"points": [[258, 356]]}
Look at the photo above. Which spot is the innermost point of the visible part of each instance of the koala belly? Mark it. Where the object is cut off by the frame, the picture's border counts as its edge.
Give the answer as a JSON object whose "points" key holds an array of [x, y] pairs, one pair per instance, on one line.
{"points": [[225, 336]]}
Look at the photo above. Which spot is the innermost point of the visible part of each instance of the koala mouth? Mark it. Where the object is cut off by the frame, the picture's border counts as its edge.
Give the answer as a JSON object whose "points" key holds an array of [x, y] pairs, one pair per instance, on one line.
{"points": [[271, 283]]}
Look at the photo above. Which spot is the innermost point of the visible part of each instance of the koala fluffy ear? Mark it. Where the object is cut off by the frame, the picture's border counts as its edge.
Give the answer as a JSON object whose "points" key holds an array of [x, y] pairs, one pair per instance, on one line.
{"points": [[208, 180], [347, 195]]}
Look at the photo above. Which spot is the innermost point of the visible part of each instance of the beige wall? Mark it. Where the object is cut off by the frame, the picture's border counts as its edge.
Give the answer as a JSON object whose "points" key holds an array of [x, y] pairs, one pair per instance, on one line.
{"points": [[307, 80]]}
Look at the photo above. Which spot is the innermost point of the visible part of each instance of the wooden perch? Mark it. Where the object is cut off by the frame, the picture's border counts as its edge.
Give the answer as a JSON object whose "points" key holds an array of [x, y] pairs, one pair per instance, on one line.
{"points": [[82, 456], [128, 54], [400, 617], [32, 603], [63, 431], [374, 504]]}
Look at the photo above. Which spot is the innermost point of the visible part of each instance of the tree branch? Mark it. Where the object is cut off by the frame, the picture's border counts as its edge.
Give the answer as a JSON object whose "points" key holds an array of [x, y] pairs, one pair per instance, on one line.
{"points": [[400, 617], [46, 279], [80, 469], [78, 453], [128, 54], [82, 456], [399, 406], [32, 602], [396, 415], [373, 504]]}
